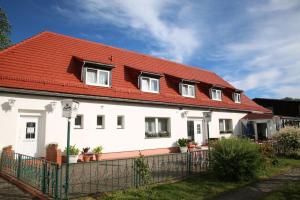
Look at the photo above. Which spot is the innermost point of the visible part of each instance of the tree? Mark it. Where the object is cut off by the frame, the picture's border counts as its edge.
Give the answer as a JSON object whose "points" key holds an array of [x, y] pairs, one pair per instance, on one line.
{"points": [[4, 30]]}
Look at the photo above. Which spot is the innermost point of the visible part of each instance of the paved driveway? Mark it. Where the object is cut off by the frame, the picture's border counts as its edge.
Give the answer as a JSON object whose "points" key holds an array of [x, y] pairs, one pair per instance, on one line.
{"points": [[9, 191]]}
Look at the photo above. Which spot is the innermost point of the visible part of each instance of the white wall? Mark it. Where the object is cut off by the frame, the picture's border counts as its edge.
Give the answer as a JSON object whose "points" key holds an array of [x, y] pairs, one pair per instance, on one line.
{"points": [[111, 138]]}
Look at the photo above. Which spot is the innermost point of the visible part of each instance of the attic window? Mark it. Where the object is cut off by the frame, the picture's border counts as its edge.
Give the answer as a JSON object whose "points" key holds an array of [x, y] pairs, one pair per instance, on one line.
{"points": [[216, 94], [97, 77], [149, 84], [237, 97], [187, 90]]}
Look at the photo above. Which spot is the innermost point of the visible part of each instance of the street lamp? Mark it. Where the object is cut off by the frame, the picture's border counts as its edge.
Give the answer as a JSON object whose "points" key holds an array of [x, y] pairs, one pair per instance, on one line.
{"points": [[69, 111], [207, 119]]}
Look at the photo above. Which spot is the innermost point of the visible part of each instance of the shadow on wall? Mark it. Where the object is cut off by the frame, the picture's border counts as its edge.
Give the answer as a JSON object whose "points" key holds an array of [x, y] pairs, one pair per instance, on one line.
{"points": [[6, 107]]}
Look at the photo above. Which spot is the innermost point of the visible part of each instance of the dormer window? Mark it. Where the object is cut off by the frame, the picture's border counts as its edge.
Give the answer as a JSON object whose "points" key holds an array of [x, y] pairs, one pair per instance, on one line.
{"points": [[216, 94], [236, 97], [97, 77], [187, 90], [97, 74], [149, 84]]}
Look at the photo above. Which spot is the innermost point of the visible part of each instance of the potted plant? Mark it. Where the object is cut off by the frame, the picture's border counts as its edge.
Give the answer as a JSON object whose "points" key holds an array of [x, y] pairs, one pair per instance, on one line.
{"points": [[85, 154], [182, 143], [73, 153], [98, 151]]}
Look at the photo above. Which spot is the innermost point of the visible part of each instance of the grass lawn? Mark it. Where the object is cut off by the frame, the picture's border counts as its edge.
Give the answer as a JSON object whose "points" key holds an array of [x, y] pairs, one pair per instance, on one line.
{"points": [[203, 186], [290, 191]]}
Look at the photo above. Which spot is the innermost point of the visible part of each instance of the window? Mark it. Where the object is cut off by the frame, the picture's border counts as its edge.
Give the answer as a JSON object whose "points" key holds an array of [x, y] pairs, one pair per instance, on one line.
{"points": [[157, 127], [79, 121], [216, 95], [225, 126], [237, 97], [120, 122], [187, 90], [100, 121], [30, 130], [98, 77], [149, 84]]}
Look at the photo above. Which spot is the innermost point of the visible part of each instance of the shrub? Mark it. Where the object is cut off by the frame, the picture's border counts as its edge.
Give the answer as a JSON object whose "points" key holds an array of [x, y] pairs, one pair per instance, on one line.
{"points": [[143, 171], [97, 150], [288, 141], [235, 159], [268, 154]]}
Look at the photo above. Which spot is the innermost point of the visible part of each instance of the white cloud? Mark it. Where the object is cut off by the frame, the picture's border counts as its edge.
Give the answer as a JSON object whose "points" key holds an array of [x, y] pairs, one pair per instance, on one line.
{"points": [[269, 57], [171, 39]]}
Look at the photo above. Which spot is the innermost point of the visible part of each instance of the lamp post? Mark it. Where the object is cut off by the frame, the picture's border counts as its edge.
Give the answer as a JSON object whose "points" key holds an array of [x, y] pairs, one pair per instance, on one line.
{"points": [[69, 111], [207, 119]]}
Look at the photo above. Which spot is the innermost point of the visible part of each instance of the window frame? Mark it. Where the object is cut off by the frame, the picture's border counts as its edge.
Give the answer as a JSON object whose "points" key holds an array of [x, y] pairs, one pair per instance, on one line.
{"points": [[150, 84], [122, 126], [81, 122], [157, 133], [98, 77], [217, 91], [103, 122], [188, 86], [224, 126], [235, 99]]}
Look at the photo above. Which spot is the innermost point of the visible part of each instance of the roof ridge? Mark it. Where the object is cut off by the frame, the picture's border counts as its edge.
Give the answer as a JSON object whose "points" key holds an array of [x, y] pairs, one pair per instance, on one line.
{"points": [[22, 42], [131, 51]]}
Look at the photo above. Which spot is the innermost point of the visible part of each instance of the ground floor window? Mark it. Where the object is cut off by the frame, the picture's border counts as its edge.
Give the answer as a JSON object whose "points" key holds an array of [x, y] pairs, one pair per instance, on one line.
{"points": [[120, 122], [79, 121], [157, 127], [100, 121], [225, 126]]}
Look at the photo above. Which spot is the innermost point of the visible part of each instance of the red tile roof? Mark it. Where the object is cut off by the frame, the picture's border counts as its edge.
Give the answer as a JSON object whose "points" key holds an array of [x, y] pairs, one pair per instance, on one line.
{"points": [[46, 62]]}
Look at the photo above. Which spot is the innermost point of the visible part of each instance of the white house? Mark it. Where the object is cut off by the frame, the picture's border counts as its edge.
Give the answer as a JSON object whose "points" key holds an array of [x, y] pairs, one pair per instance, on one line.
{"points": [[127, 101]]}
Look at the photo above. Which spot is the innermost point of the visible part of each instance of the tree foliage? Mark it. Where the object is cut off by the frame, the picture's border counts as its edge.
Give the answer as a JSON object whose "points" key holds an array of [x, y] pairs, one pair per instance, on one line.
{"points": [[5, 30]]}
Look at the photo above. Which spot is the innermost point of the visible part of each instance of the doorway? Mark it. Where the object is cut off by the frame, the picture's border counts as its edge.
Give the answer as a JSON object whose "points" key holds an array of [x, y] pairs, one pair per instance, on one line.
{"points": [[262, 131], [195, 130]]}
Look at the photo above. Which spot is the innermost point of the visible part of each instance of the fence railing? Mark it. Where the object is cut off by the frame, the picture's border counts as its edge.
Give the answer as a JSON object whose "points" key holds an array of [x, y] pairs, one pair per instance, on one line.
{"points": [[38, 173], [110, 175], [100, 176]]}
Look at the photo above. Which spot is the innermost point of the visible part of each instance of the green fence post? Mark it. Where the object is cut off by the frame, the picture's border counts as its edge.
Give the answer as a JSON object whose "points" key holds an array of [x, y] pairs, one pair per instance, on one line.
{"points": [[44, 177], [56, 181], [19, 166]]}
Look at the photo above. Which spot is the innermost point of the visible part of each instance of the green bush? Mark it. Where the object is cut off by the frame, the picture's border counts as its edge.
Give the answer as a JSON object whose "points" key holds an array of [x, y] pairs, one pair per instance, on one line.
{"points": [[268, 154], [288, 141], [182, 142], [235, 159]]}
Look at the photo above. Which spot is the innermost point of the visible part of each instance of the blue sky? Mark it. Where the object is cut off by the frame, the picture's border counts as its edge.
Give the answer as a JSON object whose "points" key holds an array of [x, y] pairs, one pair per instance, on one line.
{"points": [[254, 45]]}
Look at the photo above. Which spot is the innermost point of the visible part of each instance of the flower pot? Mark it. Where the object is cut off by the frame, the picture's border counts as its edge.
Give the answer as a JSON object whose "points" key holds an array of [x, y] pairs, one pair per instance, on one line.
{"points": [[183, 149], [73, 158], [98, 156], [86, 158]]}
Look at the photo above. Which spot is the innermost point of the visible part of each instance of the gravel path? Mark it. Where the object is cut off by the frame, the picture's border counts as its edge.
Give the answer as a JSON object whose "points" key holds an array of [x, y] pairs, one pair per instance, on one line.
{"points": [[9, 191], [261, 188]]}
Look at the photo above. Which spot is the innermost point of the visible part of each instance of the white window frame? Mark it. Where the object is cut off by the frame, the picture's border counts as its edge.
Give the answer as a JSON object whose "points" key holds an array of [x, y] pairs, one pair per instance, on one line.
{"points": [[188, 86], [122, 126], [224, 126], [218, 93], [98, 77], [237, 97], [81, 122], [150, 84], [156, 127], [103, 122]]}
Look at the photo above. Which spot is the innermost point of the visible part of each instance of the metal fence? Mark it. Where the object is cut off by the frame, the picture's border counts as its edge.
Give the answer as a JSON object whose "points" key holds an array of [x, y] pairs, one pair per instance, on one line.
{"points": [[38, 173], [87, 178]]}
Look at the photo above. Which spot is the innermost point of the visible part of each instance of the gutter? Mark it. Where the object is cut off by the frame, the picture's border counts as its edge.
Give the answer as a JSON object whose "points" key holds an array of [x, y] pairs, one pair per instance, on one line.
{"points": [[115, 99]]}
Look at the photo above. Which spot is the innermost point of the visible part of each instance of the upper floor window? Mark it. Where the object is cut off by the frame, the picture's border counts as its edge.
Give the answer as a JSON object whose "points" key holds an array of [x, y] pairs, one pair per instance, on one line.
{"points": [[187, 90], [216, 94], [150, 84], [237, 97], [98, 77]]}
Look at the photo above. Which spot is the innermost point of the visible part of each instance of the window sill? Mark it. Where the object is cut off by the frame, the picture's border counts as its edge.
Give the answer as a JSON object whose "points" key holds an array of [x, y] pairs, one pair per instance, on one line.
{"points": [[216, 99], [153, 92], [189, 96], [228, 132], [78, 127], [100, 128], [157, 137]]}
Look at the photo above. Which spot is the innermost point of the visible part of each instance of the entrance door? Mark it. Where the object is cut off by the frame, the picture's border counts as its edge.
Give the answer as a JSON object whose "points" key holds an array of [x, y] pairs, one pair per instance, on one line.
{"points": [[28, 135], [195, 130]]}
